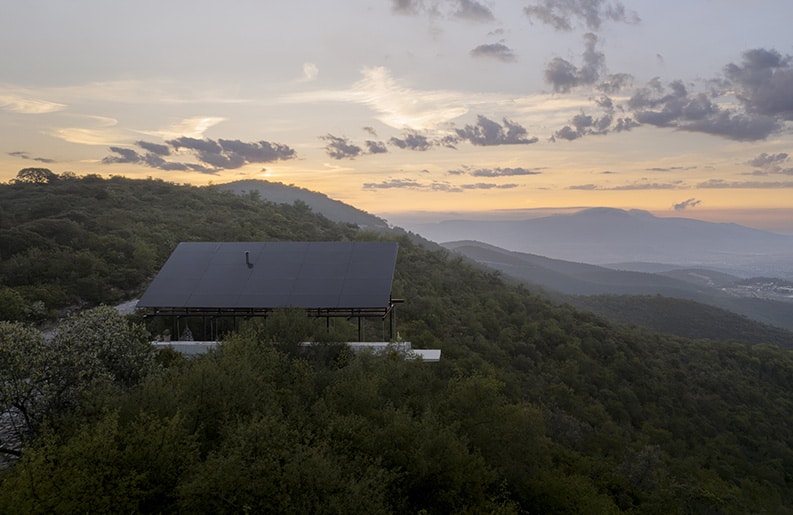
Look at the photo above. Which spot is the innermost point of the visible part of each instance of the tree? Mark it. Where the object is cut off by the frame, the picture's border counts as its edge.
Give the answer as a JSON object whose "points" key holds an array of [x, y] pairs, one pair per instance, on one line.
{"points": [[25, 385], [36, 175], [104, 338], [41, 380], [12, 305]]}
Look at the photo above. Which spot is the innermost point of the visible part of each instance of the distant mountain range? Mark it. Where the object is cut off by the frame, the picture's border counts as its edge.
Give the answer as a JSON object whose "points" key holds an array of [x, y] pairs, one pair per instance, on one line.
{"points": [[607, 236]]}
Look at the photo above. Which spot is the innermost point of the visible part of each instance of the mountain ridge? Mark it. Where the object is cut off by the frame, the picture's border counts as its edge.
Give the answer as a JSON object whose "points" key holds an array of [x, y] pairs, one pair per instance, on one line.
{"points": [[608, 235], [281, 193], [581, 284]]}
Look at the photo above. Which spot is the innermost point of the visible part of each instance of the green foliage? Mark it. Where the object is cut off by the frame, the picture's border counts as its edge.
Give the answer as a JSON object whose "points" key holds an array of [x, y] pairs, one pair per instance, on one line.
{"points": [[119, 349], [43, 381], [684, 318], [106, 467], [36, 175], [26, 387], [534, 407], [70, 241], [12, 304]]}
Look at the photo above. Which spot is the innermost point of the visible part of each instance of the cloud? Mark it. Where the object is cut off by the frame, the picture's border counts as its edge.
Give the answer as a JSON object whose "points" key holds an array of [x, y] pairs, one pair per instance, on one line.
{"points": [[412, 141], [222, 154], [567, 14], [154, 148], [676, 107], [763, 83], [406, 7], [750, 102], [445, 187], [487, 133], [257, 152], [193, 127], [737, 126], [392, 184], [341, 148], [692, 202], [125, 155], [310, 72], [636, 186], [564, 76], [583, 125], [206, 146], [766, 161], [23, 105], [473, 11], [497, 51], [502, 172], [375, 147], [614, 83], [103, 137], [771, 164], [25, 155], [434, 186], [722, 184], [396, 105], [488, 186], [469, 10], [130, 156], [668, 169]]}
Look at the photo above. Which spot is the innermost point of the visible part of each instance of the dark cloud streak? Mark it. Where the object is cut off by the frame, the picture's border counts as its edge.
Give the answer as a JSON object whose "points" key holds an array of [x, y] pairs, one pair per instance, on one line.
{"points": [[502, 172], [340, 148], [564, 76], [692, 202], [497, 51], [25, 155], [473, 11], [564, 15], [222, 154], [412, 141], [488, 133]]}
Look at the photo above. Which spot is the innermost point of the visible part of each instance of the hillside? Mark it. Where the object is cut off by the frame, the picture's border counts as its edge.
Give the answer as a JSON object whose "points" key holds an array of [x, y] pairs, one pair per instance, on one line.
{"points": [[280, 193], [713, 310], [534, 407], [76, 241]]}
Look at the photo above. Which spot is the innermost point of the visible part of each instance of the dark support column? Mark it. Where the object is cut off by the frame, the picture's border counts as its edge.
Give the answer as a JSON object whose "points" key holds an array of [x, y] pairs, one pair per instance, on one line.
{"points": [[391, 324], [359, 329]]}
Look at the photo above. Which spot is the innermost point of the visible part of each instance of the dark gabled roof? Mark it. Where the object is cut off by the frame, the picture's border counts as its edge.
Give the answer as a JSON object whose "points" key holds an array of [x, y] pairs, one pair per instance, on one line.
{"points": [[268, 275]]}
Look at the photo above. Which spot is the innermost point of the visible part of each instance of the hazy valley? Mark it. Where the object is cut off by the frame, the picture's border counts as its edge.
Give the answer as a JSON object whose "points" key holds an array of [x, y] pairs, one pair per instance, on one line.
{"points": [[630, 240]]}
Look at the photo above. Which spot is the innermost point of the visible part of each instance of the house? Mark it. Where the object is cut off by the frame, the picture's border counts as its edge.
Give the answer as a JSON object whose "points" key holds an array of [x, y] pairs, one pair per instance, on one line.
{"points": [[214, 281]]}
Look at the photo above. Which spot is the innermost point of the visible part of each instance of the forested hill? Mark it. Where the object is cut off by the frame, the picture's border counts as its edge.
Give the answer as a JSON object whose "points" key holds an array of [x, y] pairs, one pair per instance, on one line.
{"points": [[73, 241], [280, 193], [534, 408]]}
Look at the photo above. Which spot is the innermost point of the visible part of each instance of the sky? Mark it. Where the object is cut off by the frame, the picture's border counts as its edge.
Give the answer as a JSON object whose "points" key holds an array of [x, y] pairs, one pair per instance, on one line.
{"points": [[416, 109]]}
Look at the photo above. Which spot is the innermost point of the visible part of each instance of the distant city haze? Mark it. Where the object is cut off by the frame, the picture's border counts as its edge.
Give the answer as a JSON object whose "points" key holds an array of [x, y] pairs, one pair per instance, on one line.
{"points": [[432, 107]]}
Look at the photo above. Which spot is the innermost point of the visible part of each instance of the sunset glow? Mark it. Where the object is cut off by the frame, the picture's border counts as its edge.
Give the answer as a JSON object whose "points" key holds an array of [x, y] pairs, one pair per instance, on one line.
{"points": [[406, 106]]}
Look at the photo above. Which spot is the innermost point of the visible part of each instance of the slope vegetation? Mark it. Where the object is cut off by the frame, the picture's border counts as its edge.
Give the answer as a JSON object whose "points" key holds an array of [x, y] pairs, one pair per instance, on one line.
{"points": [[534, 408], [694, 302]]}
